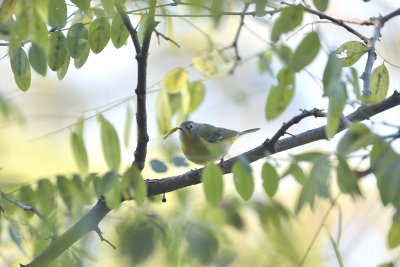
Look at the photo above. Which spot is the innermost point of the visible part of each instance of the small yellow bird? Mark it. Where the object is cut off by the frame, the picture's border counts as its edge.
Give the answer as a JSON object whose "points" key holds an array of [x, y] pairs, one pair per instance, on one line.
{"points": [[203, 143]]}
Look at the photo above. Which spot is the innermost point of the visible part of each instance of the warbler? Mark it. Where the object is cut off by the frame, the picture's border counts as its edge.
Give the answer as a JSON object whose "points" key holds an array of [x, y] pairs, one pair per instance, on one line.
{"points": [[203, 143]]}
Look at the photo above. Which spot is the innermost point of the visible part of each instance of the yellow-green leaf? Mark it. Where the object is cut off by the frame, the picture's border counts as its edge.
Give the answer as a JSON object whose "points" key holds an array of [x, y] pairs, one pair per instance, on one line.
{"points": [[356, 137], [347, 179], [77, 40], [394, 233], [243, 179], [321, 5], [7, 9], [337, 101], [58, 51], [350, 52], [63, 70], [379, 83], [119, 32], [306, 51], [79, 62], [128, 126], [175, 80], [21, 69], [79, 152], [164, 113], [213, 185], [197, 92], [38, 31], [270, 179], [82, 4], [57, 15], [280, 96], [110, 143], [132, 179], [99, 34], [108, 6]]}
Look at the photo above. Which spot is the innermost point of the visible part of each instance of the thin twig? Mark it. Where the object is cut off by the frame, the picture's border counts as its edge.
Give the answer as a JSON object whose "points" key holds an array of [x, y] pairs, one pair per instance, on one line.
{"points": [[158, 34], [100, 234]]}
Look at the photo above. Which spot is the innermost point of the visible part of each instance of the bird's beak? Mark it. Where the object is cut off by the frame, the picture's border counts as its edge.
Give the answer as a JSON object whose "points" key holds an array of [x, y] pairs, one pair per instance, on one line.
{"points": [[181, 128]]}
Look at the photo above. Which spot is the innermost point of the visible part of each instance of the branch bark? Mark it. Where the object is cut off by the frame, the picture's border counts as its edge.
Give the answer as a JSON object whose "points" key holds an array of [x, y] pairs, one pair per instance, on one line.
{"points": [[90, 221]]}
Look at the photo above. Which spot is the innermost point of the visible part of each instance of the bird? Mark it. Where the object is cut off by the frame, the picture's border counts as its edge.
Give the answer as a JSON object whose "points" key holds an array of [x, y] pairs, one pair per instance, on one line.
{"points": [[204, 143]]}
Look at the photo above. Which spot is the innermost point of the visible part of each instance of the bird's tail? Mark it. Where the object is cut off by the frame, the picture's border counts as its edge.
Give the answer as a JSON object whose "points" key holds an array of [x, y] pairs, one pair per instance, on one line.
{"points": [[249, 131]]}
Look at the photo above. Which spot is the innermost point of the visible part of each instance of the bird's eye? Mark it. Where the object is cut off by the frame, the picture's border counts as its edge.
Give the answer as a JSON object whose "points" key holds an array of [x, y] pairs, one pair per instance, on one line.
{"points": [[191, 126]]}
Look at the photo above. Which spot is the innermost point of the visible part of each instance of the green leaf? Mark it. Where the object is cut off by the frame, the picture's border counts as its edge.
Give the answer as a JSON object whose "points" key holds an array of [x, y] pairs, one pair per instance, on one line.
{"points": [[82, 4], [37, 30], [175, 80], [213, 184], [134, 180], [270, 179], [37, 59], [46, 194], [243, 179], [394, 234], [128, 126], [202, 244], [27, 196], [379, 83], [65, 189], [337, 101], [297, 172], [63, 71], [265, 62], [353, 79], [385, 164], [321, 5], [280, 96], [112, 190], [110, 143], [306, 51], [285, 53], [99, 34], [79, 62], [21, 69], [108, 6], [57, 13], [260, 8], [356, 137], [289, 18], [58, 51], [332, 75], [197, 93], [164, 113], [79, 152], [158, 166], [119, 32], [347, 179], [317, 184], [350, 52], [106, 183], [77, 40]]}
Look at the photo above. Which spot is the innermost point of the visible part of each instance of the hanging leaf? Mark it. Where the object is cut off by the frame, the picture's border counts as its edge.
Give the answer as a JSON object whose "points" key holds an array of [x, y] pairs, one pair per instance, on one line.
{"points": [[37, 59], [77, 40], [337, 101], [297, 172], [260, 8], [58, 51], [63, 71], [332, 74], [119, 32], [347, 179], [82, 4], [79, 152], [394, 233], [57, 13], [356, 137], [197, 93], [21, 69], [280, 96], [175, 80], [289, 18], [321, 5], [350, 52], [132, 179], [243, 179], [158, 166], [270, 179], [163, 110], [111, 188], [7, 9], [108, 6], [265, 62], [379, 84], [306, 51], [79, 62], [213, 185], [99, 35], [65, 189], [45, 195], [37, 30], [110, 143]]}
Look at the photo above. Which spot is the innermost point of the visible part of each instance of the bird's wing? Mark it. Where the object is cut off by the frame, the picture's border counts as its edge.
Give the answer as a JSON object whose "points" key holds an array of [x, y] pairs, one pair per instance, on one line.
{"points": [[213, 134]]}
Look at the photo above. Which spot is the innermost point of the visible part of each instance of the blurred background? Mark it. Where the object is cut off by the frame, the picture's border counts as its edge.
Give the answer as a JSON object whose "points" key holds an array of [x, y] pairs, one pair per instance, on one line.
{"points": [[36, 142]]}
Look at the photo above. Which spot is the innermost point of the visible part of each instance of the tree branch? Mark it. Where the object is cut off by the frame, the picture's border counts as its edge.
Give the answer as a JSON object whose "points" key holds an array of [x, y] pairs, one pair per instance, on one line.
{"points": [[141, 116], [90, 221], [127, 22]]}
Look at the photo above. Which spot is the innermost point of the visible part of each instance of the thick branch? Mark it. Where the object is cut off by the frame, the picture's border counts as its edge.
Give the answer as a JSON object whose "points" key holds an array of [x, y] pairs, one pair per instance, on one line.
{"points": [[141, 116], [90, 221]]}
